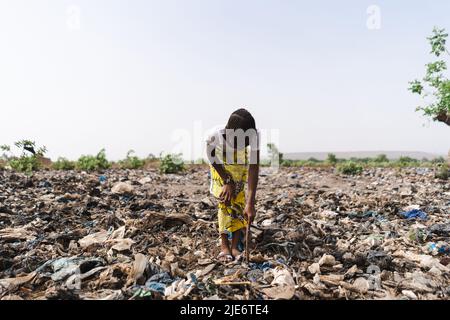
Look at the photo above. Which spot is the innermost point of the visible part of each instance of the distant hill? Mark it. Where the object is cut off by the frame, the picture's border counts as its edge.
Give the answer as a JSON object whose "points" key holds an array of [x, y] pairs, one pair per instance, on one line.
{"points": [[392, 155]]}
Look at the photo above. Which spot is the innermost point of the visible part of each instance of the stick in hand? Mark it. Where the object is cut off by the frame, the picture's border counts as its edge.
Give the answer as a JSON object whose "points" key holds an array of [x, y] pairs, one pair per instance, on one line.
{"points": [[247, 237]]}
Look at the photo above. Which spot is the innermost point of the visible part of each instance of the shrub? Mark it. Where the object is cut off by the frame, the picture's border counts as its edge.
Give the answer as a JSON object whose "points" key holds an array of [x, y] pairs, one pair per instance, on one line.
{"points": [[365, 160], [287, 163], [407, 160], [131, 161], [443, 172], [381, 158], [64, 164], [26, 162], [171, 163], [349, 168], [97, 162], [438, 160]]}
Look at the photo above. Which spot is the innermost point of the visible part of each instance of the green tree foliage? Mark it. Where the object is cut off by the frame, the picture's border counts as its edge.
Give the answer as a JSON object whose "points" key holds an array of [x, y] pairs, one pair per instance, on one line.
{"points": [[331, 158], [434, 88], [171, 163]]}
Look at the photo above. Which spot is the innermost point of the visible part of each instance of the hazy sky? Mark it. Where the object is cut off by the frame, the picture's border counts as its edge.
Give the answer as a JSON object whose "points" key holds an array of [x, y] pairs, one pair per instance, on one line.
{"points": [[128, 74]]}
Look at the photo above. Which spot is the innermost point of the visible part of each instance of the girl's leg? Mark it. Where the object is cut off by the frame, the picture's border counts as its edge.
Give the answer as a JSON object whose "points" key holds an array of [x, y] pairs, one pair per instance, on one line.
{"points": [[234, 243], [225, 251]]}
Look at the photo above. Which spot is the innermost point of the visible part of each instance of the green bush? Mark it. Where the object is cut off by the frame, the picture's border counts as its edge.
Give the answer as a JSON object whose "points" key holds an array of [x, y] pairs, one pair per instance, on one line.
{"points": [[171, 163], [407, 162], [381, 158], [131, 161], [380, 161], [287, 163], [90, 163], [443, 172], [26, 162], [64, 164], [438, 160], [361, 160], [349, 168]]}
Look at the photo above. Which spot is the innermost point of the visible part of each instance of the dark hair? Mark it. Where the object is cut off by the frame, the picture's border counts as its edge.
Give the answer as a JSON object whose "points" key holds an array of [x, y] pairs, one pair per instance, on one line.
{"points": [[241, 119]]}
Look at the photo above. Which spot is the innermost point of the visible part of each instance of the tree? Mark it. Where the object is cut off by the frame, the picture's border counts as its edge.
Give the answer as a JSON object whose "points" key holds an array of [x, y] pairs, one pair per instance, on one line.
{"points": [[331, 158], [435, 87]]}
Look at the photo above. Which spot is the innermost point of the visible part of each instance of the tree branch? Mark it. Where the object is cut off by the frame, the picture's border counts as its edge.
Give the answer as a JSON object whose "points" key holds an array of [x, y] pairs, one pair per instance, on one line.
{"points": [[443, 117]]}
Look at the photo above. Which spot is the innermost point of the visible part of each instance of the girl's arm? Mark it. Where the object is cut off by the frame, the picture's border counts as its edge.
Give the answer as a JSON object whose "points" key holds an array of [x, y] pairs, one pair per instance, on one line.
{"points": [[253, 172], [228, 189]]}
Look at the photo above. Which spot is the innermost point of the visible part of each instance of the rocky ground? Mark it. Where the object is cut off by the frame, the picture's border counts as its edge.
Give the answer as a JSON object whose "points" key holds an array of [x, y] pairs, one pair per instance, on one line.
{"points": [[137, 234]]}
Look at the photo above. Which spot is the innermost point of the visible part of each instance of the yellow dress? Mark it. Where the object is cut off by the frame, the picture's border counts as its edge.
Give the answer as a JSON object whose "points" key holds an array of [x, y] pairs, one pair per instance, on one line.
{"points": [[231, 218]]}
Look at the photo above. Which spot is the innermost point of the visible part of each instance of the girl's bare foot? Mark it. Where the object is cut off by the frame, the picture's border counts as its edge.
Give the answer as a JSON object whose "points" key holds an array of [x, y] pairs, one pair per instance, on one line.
{"points": [[225, 255], [236, 253], [225, 252]]}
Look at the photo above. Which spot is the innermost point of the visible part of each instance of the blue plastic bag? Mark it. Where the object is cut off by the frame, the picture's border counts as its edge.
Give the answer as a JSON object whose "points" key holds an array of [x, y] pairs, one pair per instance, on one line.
{"points": [[413, 214]]}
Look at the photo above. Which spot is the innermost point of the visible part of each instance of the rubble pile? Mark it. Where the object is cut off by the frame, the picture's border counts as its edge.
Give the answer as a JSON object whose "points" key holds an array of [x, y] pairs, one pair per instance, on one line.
{"points": [[139, 234]]}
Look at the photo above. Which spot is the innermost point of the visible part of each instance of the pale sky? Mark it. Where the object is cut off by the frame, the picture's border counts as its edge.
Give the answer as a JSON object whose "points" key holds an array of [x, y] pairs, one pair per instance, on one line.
{"points": [[132, 73]]}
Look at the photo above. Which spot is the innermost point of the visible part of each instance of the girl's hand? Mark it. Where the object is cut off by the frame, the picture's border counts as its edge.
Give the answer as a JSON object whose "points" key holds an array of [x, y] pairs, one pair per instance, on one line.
{"points": [[227, 193], [250, 212]]}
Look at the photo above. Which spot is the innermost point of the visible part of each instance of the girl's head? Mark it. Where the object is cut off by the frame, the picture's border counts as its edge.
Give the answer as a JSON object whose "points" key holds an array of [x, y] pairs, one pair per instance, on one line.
{"points": [[239, 120]]}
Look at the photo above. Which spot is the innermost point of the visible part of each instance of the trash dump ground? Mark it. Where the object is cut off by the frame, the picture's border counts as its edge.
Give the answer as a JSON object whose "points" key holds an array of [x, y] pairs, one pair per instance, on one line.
{"points": [[138, 234]]}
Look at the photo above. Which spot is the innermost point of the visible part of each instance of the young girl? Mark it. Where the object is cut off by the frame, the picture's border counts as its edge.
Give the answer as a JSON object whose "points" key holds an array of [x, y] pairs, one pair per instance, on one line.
{"points": [[229, 151]]}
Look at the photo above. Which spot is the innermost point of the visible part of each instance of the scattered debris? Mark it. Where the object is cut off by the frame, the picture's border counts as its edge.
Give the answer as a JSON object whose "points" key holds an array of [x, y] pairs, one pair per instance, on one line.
{"points": [[122, 188], [140, 234]]}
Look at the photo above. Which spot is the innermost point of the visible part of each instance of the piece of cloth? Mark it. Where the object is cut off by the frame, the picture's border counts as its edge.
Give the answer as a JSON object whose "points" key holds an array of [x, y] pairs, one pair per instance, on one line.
{"points": [[231, 217]]}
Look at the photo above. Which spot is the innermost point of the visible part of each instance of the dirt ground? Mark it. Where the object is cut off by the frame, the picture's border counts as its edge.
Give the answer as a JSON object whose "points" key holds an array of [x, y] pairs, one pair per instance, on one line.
{"points": [[138, 234]]}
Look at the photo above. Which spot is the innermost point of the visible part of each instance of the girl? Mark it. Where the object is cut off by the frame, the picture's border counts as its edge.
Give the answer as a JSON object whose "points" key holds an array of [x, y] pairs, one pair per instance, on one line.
{"points": [[228, 153]]}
